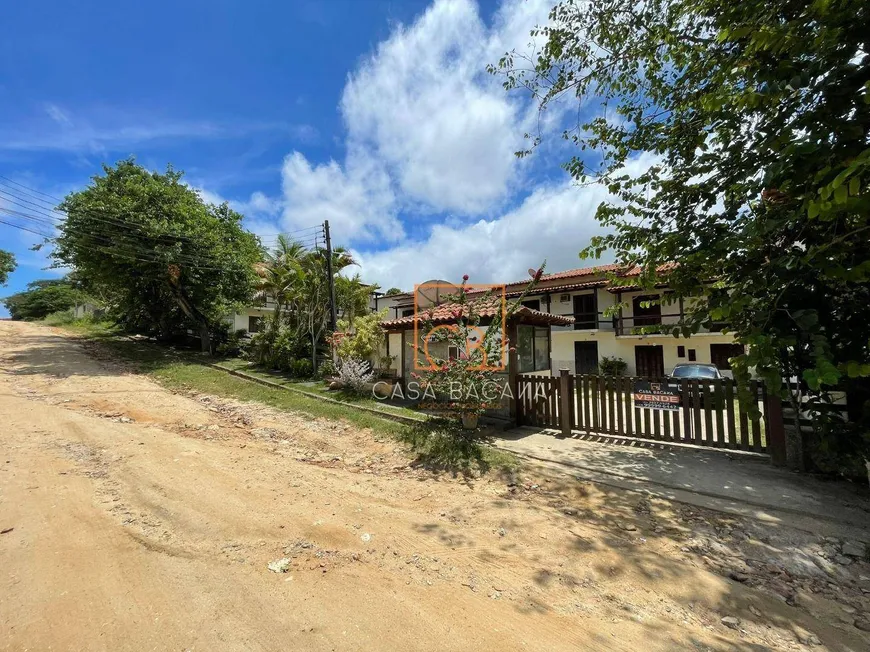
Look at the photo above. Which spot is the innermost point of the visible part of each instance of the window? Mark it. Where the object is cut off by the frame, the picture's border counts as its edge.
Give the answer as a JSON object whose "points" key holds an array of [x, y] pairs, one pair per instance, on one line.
{"points": [[646, 316], [692, 355], [255, 324], [533, 349], [534, 304], [452, 352], [681, 351], [408, 313], [585, 312], [695, 371]]}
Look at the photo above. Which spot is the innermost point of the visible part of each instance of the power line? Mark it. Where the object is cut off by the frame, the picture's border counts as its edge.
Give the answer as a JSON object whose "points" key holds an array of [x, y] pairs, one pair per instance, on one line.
{"points": [[308, 238], [118, 251], [300, 234], [23, 228], [26, 188]]}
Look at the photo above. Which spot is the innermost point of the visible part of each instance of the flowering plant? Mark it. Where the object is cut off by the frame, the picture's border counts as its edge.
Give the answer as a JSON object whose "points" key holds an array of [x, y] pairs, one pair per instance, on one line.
{"points": [[467, 375]]}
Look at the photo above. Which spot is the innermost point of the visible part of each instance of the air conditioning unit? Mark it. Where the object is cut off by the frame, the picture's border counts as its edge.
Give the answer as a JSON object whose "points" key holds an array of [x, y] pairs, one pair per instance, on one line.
{"points": [[564, 298]]}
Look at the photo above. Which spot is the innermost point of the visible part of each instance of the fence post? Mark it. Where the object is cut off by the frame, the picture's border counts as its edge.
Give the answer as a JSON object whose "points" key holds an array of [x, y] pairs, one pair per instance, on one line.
{"points": [[566, 408], [776, 429]]}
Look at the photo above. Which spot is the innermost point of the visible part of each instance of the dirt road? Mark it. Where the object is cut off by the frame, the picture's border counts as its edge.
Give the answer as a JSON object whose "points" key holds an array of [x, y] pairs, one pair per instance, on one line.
{"points": [[136, 519]]}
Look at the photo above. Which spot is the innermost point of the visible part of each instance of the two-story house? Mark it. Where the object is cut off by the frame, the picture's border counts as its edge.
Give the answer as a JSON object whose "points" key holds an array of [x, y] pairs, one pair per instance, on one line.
{"points": [[585, 295]]}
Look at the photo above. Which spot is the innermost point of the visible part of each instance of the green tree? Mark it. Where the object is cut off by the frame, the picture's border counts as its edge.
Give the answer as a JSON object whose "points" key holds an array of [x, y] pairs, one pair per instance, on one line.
{"points": [[733, 137], [312, 304], [352, 297], [158, 246], [364, 338], [7, 266], [42, 298], [280, 273], [392, 292]]}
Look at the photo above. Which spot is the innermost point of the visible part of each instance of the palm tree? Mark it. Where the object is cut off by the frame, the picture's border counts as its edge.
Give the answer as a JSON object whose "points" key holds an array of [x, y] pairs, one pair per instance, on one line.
{"points": [[279, 275]]}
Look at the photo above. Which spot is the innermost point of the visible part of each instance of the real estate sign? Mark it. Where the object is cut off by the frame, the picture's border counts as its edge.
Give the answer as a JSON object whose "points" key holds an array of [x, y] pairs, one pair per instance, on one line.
{"points": [[656, 396]]}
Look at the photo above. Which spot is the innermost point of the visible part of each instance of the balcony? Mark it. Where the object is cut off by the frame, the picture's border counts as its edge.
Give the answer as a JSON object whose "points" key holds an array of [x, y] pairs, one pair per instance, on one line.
{"points": [[586, 321]]}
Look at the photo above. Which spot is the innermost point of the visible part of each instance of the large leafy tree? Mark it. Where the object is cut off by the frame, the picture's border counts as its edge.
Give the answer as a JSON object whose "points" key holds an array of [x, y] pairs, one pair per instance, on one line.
{"points": [[753, 120], [158, 247], [41, 298], [7, 266]]}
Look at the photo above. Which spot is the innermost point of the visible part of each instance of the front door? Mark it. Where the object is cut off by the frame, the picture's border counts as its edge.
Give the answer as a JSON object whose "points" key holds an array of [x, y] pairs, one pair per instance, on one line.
{"points": [[649, 361], [585, 358]]}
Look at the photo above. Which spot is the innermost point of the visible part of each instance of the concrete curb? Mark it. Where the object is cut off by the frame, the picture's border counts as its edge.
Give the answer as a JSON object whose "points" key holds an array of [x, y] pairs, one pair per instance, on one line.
{"points": [[268, 383]]}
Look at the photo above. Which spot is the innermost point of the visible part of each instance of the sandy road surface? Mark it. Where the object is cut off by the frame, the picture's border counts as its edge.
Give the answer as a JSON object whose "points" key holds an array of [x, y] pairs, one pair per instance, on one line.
{"points": [[143, 519]]}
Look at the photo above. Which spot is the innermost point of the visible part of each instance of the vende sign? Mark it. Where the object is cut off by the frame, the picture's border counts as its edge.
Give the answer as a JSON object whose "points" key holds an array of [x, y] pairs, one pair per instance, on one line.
{"points": [[655, 396]]}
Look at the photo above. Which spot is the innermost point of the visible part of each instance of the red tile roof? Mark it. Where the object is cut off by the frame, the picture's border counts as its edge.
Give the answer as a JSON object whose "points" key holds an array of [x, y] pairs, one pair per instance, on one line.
{"points": [[571, 273], [664, 267], [491, 307]]}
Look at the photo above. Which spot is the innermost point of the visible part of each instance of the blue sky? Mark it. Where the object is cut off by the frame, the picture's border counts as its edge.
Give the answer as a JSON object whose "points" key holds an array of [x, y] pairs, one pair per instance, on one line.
{"points": [[377, 115]]}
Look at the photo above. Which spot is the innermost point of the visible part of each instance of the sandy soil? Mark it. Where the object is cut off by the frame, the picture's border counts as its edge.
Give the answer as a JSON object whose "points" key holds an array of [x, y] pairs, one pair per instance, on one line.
{"points": [[135, 518]]}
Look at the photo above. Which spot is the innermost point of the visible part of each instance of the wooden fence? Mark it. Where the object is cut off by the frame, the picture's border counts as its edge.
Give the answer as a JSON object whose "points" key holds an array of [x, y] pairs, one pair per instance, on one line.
{"points": [[709, 413]]}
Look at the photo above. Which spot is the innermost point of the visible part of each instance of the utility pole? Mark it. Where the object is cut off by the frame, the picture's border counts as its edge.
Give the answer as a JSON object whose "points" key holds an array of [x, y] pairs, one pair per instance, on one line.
{"points": [[332, 324]]}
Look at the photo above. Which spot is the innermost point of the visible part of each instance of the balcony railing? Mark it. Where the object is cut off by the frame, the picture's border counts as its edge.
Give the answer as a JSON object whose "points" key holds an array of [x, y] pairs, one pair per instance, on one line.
{"points": [[637, 325], [646, 324], [589, 321]]}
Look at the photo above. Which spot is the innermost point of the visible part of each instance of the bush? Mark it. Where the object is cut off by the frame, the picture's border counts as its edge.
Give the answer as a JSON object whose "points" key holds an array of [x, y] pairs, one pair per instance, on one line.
{"points": [[363, 338], [276, 347], [355, 375], [327, 369], [301, 368], [229, 343], [612, 366]]}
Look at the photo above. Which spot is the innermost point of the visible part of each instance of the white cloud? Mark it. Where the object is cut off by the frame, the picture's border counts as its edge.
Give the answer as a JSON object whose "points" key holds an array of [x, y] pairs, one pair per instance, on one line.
{"points": [[429, 132], [109, 129], [553, 223], [428, 129], [425, 107], [57, 114], [357, 201]]}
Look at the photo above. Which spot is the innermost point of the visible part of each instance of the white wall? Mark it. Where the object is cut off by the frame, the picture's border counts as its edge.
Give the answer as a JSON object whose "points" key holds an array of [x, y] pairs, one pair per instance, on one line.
{"points": [[623, 347], [239, 320]]}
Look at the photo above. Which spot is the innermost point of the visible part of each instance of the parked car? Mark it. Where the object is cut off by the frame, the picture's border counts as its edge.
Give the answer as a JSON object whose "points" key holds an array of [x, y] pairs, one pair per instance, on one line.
{"points": [[694, 371]]}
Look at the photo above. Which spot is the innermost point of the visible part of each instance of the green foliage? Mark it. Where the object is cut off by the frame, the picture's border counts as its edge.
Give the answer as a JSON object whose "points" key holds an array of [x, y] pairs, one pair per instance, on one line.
{"points": [[612, 366], [277, 346], [351, 297], [327, 369], [301, 368], [297, 280], [42, 298], [90, 323], [733, 137], [227, 342], [366, 338], [7, 266], [392, 292], [165, 257]]}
